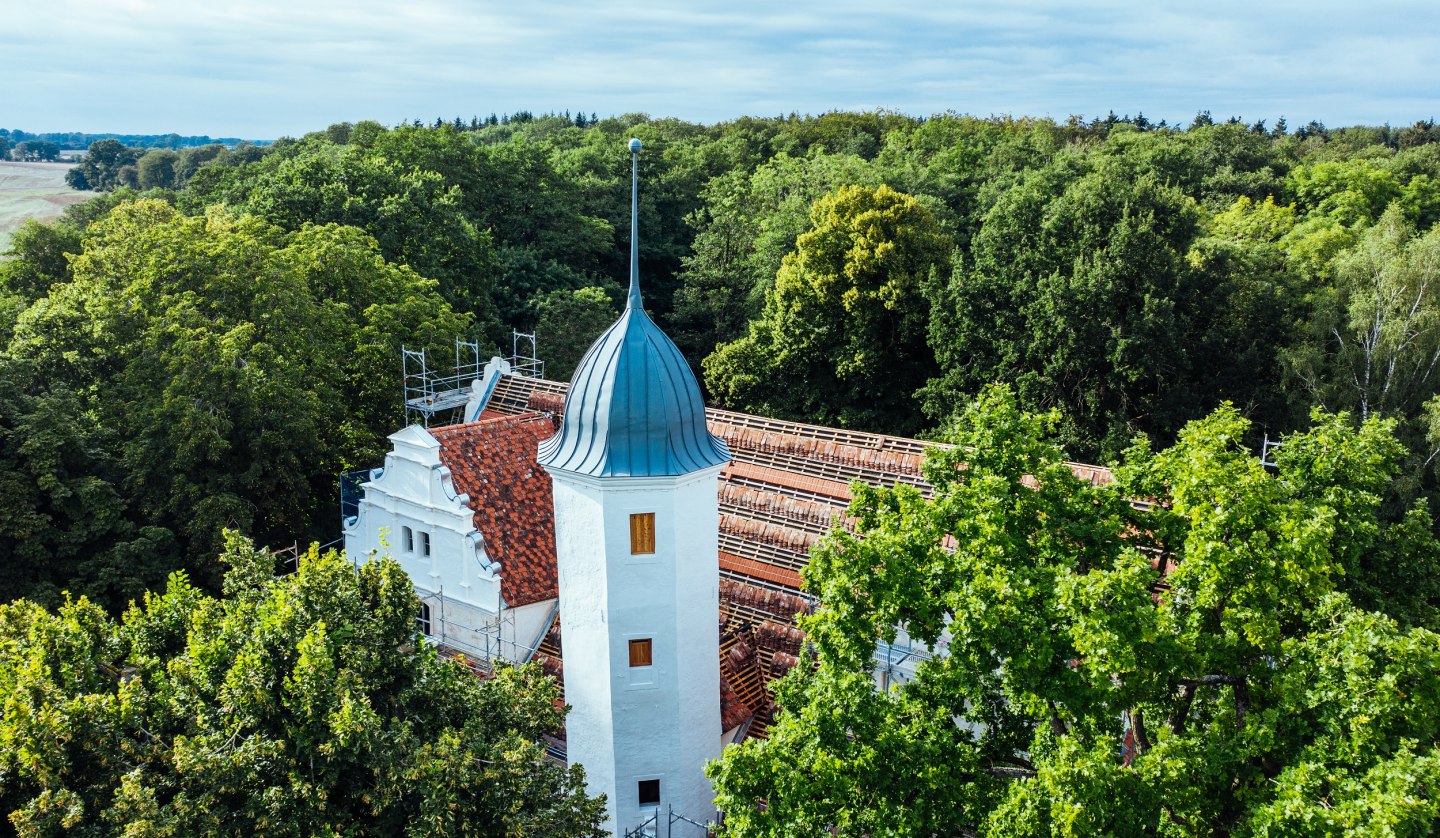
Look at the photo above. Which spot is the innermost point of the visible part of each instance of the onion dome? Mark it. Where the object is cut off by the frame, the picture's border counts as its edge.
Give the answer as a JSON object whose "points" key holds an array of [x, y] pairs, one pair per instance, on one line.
{"points": [[634, 408]]}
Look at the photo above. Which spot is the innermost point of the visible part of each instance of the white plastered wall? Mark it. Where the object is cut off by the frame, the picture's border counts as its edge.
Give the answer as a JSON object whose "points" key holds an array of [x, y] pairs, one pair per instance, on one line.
{"points": [[662, 721], [414, 491]]}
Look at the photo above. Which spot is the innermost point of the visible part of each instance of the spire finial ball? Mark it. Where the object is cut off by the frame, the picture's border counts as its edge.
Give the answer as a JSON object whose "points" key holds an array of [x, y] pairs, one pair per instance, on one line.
{"points": [[634, 146]]}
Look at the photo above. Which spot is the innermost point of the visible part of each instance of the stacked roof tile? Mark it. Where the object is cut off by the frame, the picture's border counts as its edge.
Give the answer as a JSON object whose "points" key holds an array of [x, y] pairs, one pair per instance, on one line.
{"points": [[787, 484]]}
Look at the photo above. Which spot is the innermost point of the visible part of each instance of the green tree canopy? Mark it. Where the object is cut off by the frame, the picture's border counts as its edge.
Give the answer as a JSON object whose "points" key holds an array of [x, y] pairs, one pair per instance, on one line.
{"points": [[36, 151], [569, 322], [1375, 344], [236, 368], [1076, 690], [156, 169], [846, 317], [747, 224], [103, 163], [1081, 290], [414, 215], [300, 706], [67, 523]]}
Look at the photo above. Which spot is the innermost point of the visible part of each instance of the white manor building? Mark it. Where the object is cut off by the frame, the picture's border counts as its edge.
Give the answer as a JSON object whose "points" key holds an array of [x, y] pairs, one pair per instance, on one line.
{"points": [[666, 539]]}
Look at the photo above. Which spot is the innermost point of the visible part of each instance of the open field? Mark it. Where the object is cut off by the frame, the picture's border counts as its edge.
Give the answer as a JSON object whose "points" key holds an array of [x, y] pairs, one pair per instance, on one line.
{"points": [[33, 190]]}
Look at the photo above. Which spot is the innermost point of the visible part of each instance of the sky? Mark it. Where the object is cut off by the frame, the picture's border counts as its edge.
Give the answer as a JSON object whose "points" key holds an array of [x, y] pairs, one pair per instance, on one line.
{"points": [[260, 69]]}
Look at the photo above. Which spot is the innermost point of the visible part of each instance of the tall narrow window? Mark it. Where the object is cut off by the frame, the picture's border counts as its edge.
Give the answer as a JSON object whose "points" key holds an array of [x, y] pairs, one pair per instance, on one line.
{"points": [[409, 540], [642, 532], [640, 652], [423, 618], [649, 792], [424, 543]]}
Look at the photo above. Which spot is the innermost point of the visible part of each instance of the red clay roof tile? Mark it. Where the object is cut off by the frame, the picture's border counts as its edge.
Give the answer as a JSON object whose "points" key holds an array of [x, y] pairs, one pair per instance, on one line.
{"points": [[493, 461], [760, 570]]}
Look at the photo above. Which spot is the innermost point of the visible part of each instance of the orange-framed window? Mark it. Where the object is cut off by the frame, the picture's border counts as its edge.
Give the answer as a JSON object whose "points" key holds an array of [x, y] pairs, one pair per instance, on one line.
{"points": [[642, 533]]}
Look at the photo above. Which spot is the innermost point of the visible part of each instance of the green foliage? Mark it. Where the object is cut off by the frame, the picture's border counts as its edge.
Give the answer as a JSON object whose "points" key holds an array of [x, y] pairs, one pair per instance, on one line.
{"points": [[1373, 339], [34, 151], [235, 367], [412, 213], [1376, 335], [746, 227], [846, 315], [156, 169], [1078, 692], [101, 167], [66, 523], [40, 261], [1081, 291], [569, 322], [304, 705]]}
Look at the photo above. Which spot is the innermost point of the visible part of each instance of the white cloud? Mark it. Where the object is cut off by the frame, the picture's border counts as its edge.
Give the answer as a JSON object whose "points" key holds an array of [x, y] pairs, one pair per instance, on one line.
{"points": [[269, 67]]}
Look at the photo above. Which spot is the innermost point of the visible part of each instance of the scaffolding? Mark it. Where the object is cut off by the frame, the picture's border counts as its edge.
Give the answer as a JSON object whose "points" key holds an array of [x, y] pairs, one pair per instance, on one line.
{"points": [[650, 827], [895, 662], [480, 644], [436, 396], [526, 365], [1267, 452], [429, 394]]}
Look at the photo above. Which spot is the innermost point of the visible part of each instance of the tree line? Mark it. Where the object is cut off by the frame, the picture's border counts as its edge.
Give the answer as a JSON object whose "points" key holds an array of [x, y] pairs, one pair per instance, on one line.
{"points": [[29, 151], [80, 140]]}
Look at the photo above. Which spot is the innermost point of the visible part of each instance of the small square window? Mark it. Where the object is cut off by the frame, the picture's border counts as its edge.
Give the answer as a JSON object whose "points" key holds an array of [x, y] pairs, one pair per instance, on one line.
{"points": [[642, 533], [423, 618], [409, 540], [649, 792], [640, 654], [424, 543]]}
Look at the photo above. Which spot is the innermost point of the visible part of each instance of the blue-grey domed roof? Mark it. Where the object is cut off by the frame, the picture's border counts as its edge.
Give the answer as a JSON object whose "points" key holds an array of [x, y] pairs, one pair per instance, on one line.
{"points": [[634, 408]]}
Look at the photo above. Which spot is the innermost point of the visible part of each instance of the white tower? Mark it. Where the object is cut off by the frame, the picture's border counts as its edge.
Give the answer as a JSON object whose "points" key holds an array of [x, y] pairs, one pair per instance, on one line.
{"points": [[636, 527]]}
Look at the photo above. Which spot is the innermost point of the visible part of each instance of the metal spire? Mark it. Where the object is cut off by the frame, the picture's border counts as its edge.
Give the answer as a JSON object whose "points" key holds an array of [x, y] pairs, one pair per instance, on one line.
{"points": [[634, 301]]}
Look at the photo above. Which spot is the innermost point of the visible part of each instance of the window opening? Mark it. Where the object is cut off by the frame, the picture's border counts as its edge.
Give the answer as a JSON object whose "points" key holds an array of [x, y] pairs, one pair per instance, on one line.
{"points": [[649, 792], [423, 618], [424, 543], [409, 540], [640, 652], [642, 533]]}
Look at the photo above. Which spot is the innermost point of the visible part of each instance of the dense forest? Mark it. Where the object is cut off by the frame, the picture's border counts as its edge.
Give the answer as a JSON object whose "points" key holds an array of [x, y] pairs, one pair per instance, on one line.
{"points": [[210, 342]]}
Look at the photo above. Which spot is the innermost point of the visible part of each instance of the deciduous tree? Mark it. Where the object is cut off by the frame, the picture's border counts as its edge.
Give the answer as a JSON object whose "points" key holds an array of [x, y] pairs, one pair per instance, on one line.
{"points": [[238, 366], [1080, 291], [300, 706], [569, 322], [841, 340], [1074, 690]]}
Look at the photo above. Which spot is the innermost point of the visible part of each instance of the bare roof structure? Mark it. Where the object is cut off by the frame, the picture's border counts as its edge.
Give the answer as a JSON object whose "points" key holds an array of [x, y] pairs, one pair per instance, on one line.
{"points": [[786, 484]]}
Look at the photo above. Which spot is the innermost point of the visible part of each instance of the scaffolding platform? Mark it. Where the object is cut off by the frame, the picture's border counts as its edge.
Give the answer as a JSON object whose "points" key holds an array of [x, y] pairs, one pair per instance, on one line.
{"points": [[439, 396], [441, 399], [429, 393]]}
